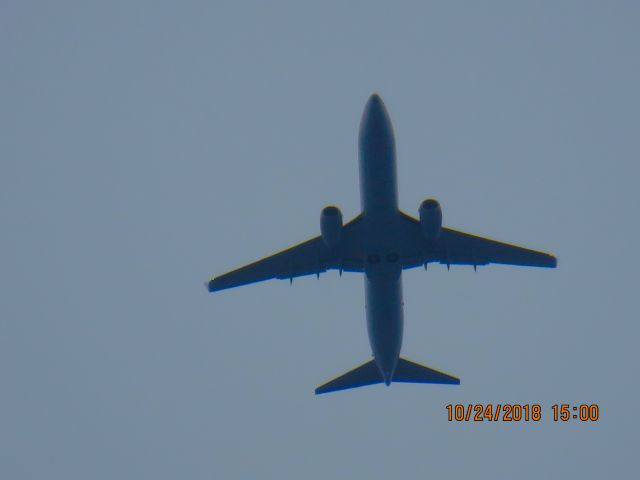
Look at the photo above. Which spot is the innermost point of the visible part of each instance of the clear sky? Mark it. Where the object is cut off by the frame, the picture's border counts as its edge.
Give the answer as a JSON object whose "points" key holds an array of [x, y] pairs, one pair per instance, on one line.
{"points": [[145, 146]]}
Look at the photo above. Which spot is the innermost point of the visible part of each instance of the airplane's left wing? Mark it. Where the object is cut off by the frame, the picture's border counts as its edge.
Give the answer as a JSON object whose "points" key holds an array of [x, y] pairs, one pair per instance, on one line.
{"points": [[454, 247], [307, 258]]}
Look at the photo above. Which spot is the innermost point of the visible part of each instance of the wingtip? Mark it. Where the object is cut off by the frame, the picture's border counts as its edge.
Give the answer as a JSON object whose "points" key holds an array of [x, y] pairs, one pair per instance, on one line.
{"points": [[320, 390]]}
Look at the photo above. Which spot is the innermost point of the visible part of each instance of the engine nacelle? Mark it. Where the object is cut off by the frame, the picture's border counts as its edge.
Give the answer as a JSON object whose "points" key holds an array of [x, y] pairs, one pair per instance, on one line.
{"points": [[430, 219], [331, 226]]}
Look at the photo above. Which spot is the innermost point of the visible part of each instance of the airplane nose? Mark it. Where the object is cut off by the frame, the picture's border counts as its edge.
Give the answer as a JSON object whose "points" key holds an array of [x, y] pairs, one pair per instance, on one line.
{"points": [[375, 113], [376, 133], [375, 101]]}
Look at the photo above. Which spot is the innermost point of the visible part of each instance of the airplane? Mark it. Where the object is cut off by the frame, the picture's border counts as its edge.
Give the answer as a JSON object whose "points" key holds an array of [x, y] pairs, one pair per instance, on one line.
{"points": [[381, 242]]}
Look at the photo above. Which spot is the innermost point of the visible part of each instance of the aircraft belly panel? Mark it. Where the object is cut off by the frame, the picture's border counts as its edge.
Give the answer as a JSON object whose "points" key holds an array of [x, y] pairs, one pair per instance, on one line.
{"points": [[383, 297]]}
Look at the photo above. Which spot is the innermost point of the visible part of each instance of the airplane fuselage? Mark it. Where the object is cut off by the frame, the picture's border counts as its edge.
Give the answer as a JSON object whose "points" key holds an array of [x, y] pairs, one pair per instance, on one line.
{"points": [[383, 270]]}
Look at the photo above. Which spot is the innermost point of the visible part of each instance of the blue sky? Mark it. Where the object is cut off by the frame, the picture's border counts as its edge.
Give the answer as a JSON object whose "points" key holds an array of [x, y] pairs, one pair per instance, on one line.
{"points": [[146, 146]]}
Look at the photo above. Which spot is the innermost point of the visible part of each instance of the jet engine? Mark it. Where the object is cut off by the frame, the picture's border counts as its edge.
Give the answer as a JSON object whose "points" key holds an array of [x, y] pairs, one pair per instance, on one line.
{"points": [[430, 219], [331, 226]]}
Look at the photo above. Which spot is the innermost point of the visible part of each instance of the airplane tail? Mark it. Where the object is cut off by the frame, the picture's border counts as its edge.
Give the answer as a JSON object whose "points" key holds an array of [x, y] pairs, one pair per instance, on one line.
{"points": [[369, 374], [366, 374], [412, 372]]}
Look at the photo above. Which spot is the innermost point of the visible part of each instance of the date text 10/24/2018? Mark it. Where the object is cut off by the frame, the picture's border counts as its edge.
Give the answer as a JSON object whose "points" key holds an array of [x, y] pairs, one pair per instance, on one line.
{"points": [[515, 412]]}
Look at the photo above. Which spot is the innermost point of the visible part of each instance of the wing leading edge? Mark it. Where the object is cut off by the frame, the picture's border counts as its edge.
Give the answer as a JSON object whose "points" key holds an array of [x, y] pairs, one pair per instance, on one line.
{"points": [[453, 247], [307, 258]]}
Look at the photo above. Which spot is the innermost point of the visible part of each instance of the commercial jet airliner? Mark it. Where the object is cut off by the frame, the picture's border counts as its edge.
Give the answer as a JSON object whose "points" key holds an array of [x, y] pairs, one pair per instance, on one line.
{"points": [[381, 242]]}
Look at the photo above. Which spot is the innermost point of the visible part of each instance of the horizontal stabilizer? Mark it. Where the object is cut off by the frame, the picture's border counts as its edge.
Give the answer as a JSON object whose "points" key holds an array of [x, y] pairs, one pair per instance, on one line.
{"points": [[369, 374], [411, 372], [366, 374]]}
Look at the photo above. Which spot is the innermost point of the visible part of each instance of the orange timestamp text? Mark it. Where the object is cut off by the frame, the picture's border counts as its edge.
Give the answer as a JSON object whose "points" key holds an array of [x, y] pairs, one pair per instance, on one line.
{"points": [[516, 412]]}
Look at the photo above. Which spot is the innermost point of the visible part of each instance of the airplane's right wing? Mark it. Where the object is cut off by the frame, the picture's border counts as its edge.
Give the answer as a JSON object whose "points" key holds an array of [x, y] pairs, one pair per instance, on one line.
{"points": [[459, 248], [307, 258]]}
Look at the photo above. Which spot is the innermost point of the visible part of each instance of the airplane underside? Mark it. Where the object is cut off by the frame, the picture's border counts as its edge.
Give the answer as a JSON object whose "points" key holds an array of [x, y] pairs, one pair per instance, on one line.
{"points": [[380, 243]]}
